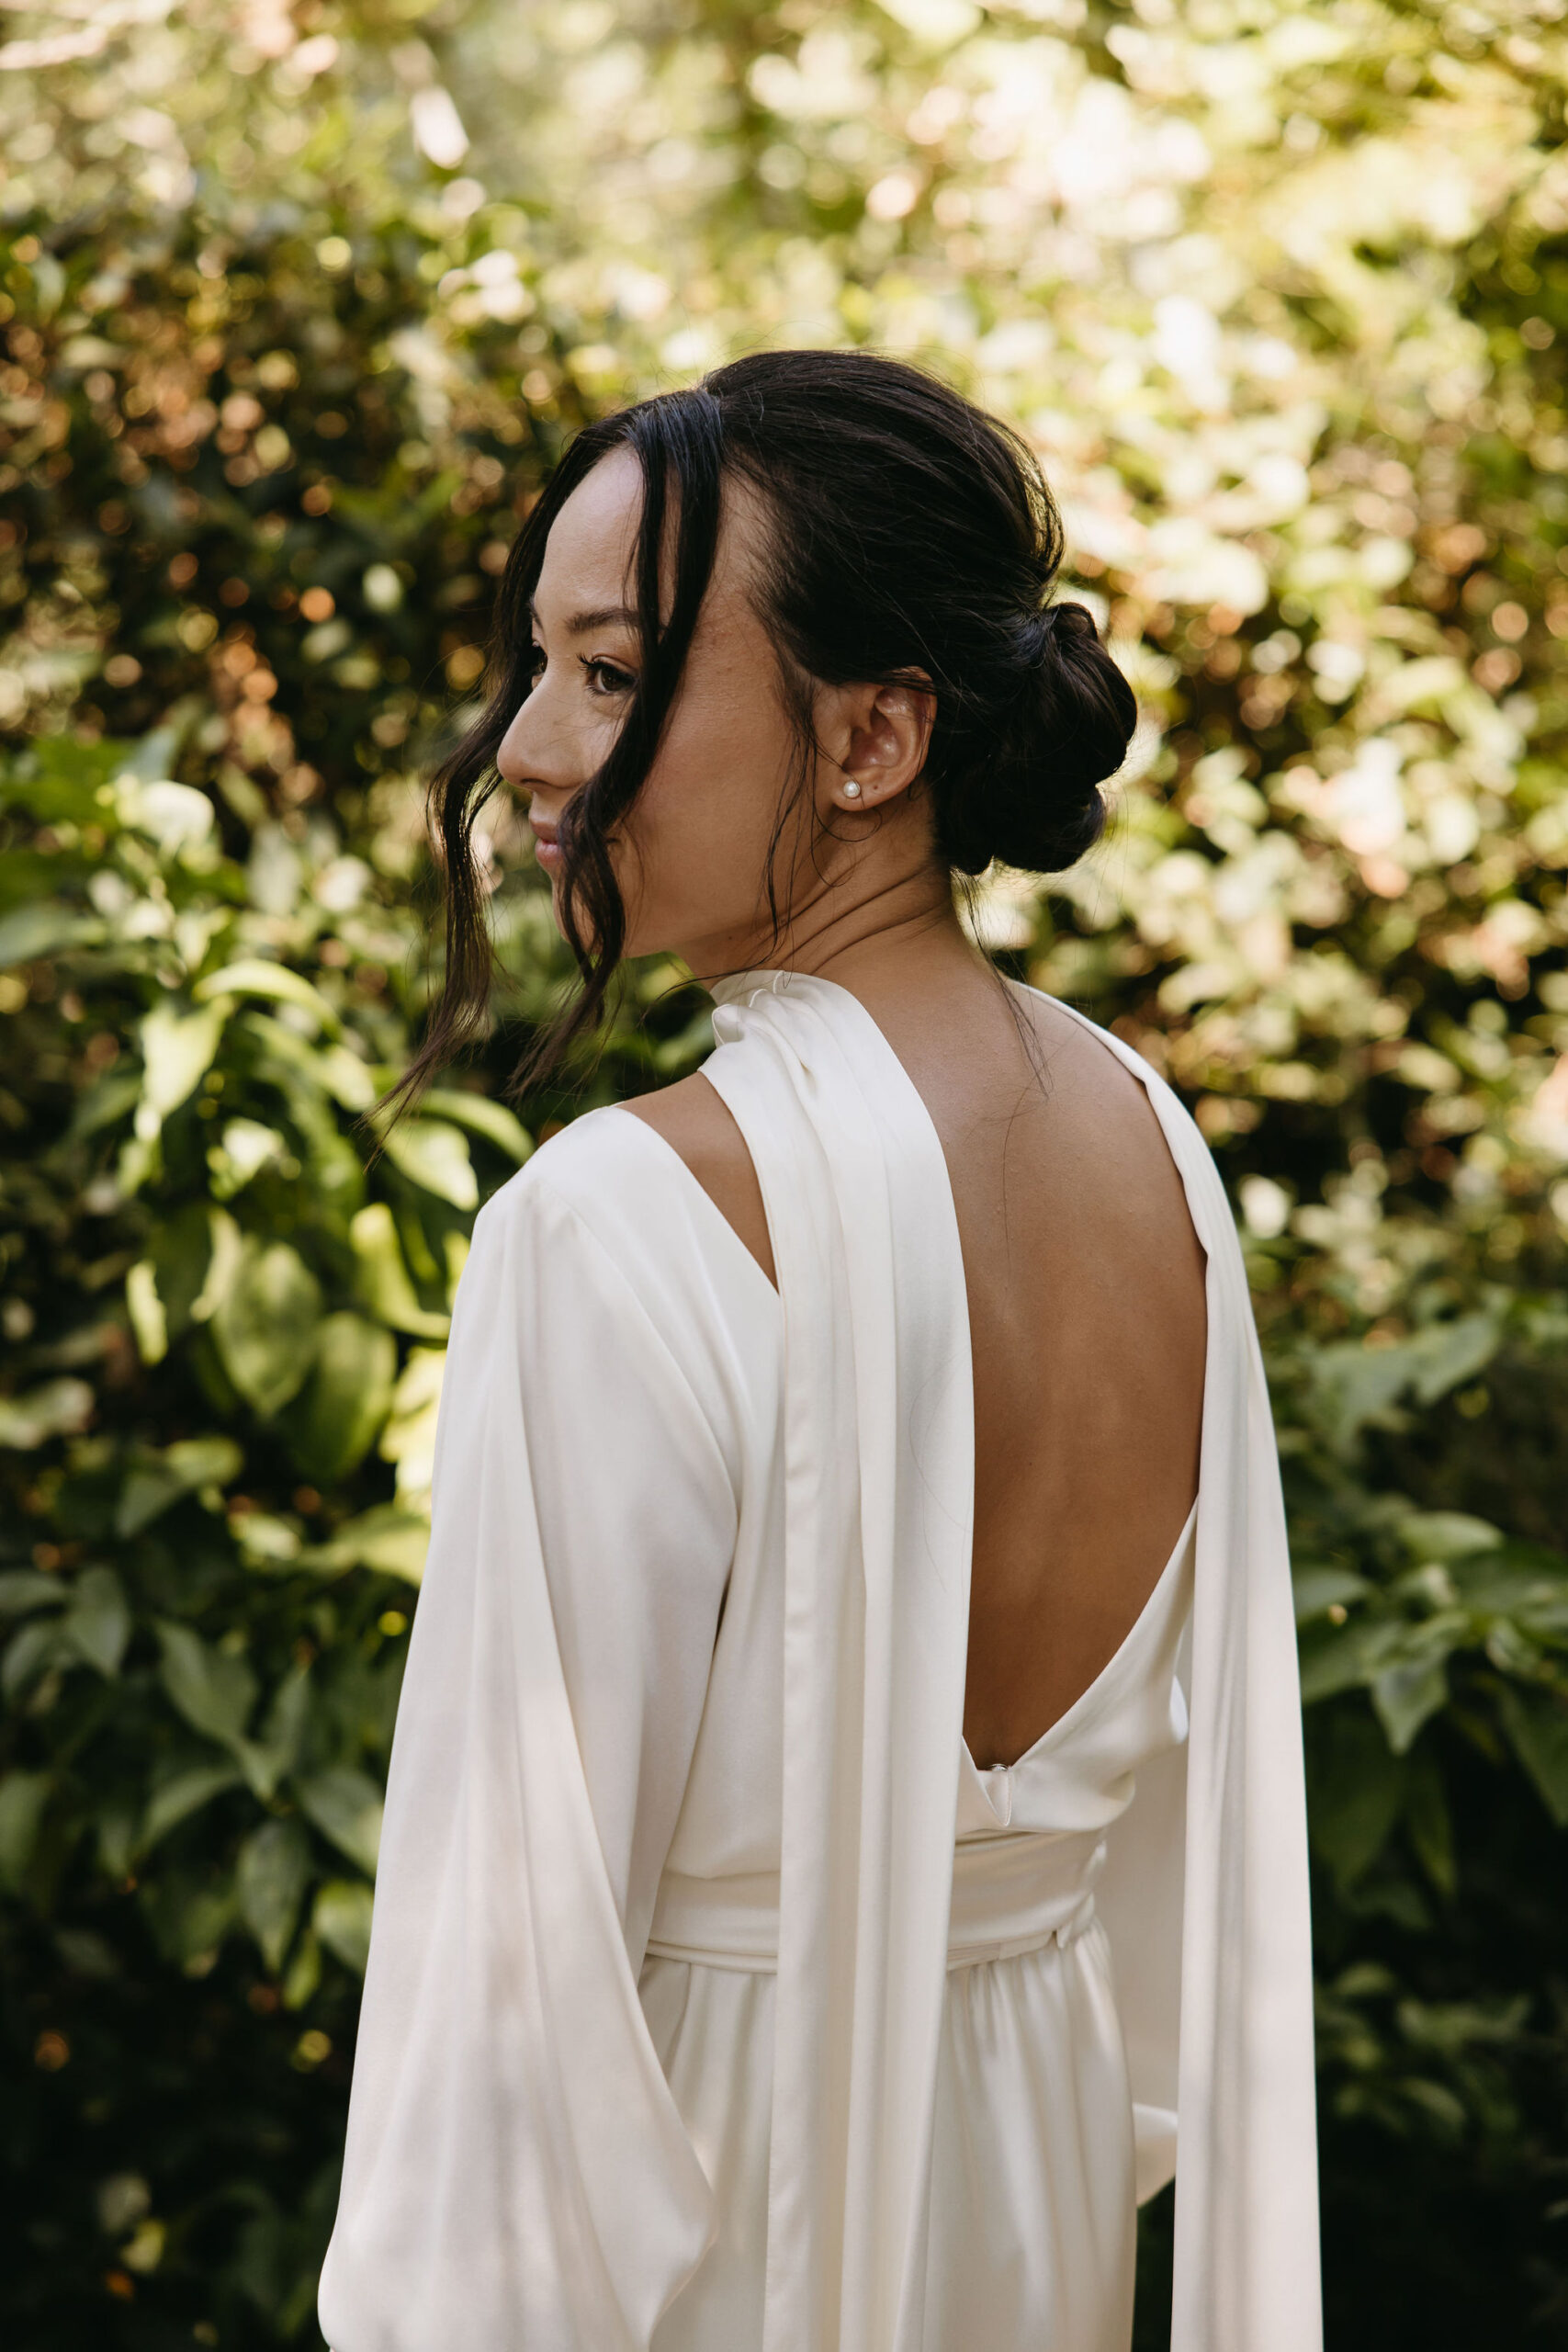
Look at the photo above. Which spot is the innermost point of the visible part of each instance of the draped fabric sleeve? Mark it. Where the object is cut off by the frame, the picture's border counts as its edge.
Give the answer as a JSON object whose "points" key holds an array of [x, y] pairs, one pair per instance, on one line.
{"points": [[1206, 1887], [879, 1484], [516, 2172]]}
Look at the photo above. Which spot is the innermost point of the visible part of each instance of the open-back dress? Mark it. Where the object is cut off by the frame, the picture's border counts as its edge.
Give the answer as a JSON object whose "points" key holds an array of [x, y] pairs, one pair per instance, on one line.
{"points": [[716, 2002]]}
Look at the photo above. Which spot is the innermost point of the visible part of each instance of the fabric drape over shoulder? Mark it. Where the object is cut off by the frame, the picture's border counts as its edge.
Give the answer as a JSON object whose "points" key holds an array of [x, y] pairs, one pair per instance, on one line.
{"points": [[1223, 1912], [517, 2175]]}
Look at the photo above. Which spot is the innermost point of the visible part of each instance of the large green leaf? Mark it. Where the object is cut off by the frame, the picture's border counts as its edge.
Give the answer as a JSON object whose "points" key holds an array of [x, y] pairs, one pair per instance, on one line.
{"points": [[145, 1309], [1409, 1694], [102, 1105], [226, 1256], [23, 1589], [252, 976], [482, 1115], [1335, 1659], [92, 1630], [409, 1436], [23, 1796], [211, 1461], [381, 1279], [265, 1326], [182, 1794], [342, 1919], [1356, 1787], [57, 1409], [265, 1760], [213, 1691], [161, 1479], [1537, 1723], [189, 1251], [1319, 1588], [345, 1077], [177, 1048], [385, 1537], [30, 1653], [173, 815], [1447, 1535], [345, 1807], [1430, 1821], [338, 1414], [1358, 1384], [270, 1880], [27, 932], [189, 1916], [434, 1155], [98, 1624], [244, 1148]]}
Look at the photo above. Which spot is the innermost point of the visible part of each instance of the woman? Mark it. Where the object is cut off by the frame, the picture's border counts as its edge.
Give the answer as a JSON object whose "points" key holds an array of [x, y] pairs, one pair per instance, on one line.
{"points": [[847, 1803]]}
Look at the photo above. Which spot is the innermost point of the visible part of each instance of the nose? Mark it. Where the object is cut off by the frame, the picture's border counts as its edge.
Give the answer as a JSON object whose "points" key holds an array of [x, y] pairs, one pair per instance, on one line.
{"points": [[537, 753]]}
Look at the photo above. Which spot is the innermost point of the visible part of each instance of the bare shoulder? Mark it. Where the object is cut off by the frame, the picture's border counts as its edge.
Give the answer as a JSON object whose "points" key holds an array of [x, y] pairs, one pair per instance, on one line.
{"points": [[1103, 1109], [695, 1122], [1086, 1064]]}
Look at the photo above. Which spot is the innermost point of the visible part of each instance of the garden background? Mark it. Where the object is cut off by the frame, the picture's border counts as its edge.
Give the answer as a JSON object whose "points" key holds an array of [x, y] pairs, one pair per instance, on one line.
{"points": [[300, 303]]}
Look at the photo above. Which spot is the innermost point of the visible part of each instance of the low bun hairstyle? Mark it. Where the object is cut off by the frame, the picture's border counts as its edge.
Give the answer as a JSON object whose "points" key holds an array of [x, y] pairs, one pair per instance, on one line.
{"points": [[912, 539], [1035, 803]]}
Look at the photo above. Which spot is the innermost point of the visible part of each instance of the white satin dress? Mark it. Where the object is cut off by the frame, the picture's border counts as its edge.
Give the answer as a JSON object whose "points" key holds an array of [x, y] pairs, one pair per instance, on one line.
{"points": [[1033, 2167], [716, 2002]]}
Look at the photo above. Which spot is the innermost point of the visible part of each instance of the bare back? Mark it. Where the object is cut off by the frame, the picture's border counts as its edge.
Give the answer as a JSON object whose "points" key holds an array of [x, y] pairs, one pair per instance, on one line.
{"points": [[1087, 1321]]}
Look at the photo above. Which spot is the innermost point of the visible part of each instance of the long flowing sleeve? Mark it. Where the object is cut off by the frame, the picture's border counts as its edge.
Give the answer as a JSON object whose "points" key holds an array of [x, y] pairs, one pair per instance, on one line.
{"points": [[1206, 1887], [516, 2172]]}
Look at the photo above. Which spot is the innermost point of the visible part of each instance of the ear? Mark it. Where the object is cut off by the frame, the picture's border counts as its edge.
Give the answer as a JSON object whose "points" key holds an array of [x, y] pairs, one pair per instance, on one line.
{"points": [[874, 741]]}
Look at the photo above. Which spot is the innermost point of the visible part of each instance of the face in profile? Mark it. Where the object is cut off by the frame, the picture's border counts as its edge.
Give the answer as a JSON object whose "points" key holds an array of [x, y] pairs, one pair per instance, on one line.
{"points": [[695, 857], [859, 684]]}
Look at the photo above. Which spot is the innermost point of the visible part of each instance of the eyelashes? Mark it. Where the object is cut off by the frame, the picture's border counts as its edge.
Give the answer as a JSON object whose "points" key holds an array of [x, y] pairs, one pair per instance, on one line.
{"points": [[606, 680]]}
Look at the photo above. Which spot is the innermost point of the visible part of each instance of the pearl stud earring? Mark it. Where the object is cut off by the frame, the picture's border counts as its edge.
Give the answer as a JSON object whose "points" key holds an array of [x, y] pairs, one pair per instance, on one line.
{"points": [[851, 790]]}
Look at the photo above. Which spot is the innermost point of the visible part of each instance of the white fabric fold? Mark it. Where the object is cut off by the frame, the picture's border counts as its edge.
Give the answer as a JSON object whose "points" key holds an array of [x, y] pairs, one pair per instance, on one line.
{"points": [[879, 1499], [1215, 1922]]}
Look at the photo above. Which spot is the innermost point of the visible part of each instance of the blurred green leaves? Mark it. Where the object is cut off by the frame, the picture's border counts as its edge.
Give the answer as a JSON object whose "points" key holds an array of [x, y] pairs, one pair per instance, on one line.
{"points": [[54, 1408], [91, 1628], [434, 1156], [342, 1919], [213, 1692], [1283, 304], [381, 1276], [271, 1876], [345, 1807], [23, 1796], [177, 1047], [346, 1398], [264, 1326], [1537, 1721]]}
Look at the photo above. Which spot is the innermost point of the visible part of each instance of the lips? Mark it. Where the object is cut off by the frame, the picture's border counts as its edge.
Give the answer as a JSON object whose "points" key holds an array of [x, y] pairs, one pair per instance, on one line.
{"points": [[547, 849]]}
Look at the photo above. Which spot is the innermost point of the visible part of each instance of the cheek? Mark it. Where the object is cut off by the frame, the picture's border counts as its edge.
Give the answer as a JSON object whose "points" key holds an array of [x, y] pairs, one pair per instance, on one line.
{"points": [[705, 817]]}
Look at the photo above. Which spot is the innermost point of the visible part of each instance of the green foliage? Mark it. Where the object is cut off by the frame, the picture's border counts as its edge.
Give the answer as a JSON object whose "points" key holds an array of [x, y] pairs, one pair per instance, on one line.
{"points": [[1280, 295]]}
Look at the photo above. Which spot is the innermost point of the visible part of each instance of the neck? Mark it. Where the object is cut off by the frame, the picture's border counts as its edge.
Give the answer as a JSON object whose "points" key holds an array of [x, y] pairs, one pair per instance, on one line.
{"points": [[880, 939]]}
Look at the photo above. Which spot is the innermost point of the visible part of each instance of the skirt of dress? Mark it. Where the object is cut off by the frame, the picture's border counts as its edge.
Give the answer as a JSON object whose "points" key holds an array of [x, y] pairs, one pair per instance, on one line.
{"points": [[1032, 2219]]}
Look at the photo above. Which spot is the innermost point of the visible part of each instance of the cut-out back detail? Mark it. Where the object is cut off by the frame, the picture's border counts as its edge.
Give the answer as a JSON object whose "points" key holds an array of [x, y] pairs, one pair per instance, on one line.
{"points": [[1012, 1723], [1151, 1625]]}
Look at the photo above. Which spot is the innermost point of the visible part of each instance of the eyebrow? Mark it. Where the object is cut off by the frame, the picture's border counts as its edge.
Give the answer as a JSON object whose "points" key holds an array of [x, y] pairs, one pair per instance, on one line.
{"points": [[601, 616]]}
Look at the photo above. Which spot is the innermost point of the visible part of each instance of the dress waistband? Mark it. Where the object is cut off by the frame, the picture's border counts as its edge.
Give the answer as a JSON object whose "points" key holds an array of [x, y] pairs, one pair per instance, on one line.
{"points": [[1011, 1895]]}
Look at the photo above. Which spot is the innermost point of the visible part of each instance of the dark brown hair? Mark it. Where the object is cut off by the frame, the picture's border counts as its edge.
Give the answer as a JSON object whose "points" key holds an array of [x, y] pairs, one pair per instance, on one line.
{"points": [[911, 536]]}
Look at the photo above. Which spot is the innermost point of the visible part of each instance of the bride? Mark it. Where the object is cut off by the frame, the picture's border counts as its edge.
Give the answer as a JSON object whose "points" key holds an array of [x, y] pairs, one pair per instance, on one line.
{"points": [[845, 1841]]}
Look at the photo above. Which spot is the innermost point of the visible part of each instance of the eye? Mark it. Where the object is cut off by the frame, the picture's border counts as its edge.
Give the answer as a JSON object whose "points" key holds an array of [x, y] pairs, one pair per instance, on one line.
{"points": [[606, 678], [534, 663]]}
